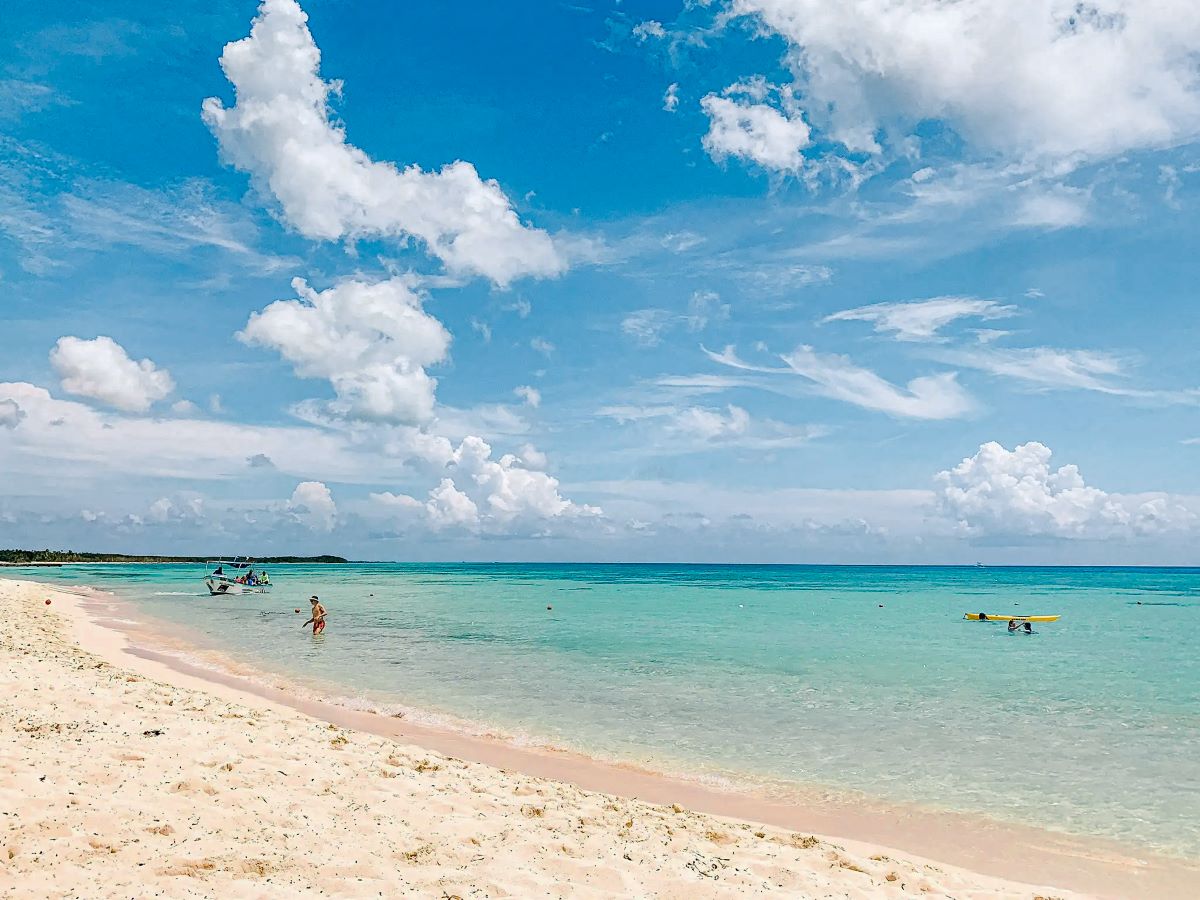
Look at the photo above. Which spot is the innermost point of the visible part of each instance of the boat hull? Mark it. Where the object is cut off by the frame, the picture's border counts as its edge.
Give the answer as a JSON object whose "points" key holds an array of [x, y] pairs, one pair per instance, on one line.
{"points": [[974, 617], [220, 588]]}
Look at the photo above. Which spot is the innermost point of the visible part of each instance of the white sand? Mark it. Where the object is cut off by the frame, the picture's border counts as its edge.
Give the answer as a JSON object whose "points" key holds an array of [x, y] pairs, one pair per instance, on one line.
{"points": [[113, 784]]}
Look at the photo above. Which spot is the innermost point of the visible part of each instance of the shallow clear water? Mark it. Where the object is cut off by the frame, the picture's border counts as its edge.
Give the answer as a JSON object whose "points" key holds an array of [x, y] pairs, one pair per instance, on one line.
{"points": [[772, 674]]}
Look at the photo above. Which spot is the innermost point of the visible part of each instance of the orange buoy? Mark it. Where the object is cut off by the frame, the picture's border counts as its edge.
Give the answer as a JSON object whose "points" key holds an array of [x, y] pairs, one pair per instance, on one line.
{"points": [[47, 601]]}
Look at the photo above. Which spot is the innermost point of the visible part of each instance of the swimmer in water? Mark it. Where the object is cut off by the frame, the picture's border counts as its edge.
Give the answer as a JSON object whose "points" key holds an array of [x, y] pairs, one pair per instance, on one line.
{"points": [[318, 615]]}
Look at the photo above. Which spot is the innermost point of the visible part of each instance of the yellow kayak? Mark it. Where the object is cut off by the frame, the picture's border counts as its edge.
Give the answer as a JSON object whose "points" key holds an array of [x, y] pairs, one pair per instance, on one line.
{"points": [[975, 617]]}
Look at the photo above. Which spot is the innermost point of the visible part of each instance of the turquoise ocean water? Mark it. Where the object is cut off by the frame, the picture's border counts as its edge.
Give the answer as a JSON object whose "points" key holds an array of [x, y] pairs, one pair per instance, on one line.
{"points": [[859, 679]]}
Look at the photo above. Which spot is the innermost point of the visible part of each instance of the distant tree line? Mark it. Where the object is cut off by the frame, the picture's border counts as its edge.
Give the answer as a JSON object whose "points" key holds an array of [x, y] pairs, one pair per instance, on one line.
{"points": [[70, 556]]}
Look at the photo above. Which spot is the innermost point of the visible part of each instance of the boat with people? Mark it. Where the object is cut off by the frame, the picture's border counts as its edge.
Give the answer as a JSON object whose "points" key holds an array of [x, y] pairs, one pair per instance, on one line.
{"points": [[235, 576]]}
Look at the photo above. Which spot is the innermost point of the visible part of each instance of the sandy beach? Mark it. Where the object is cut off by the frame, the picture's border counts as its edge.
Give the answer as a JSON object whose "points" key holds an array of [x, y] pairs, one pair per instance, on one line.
{"points": [[124, 777]]}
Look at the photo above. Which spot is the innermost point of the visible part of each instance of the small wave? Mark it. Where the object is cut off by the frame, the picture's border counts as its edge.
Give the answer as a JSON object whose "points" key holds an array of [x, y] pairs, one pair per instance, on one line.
{"points": [[176, 594]]}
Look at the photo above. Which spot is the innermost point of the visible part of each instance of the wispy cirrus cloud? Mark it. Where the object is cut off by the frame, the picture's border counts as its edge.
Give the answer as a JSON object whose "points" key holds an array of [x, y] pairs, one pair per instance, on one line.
{"points": [[921, 320], [837, 377], [688, 428]]}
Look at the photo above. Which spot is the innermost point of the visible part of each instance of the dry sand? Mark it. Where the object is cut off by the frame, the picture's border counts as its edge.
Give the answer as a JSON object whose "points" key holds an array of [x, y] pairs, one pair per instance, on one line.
{"points": [[115, 784]]}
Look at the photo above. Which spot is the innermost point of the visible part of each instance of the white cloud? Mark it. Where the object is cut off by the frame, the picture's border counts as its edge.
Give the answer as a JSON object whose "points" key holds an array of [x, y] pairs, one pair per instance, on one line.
{"points": [[102, 370], [741, 125], [497, 496], [79, 441], [1003, 492], [690, 426], [184, 408], [371, 340], [705, 306], [531, 395], [312, 504], [1052, 206], [671, 97], [533, 457], [542, 346], [448, 506], [483, 329], [11, 414], [773, 278], [649, 29], [280, 131], [1035, 78], [926, 397], [174, 221], [921, 320], [521, 306], [645, 326], [1050, 367], [181, 509]]}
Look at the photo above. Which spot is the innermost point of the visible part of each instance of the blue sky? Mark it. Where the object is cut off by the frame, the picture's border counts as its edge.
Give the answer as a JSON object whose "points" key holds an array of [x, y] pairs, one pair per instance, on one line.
{"points": [[769, 280]]}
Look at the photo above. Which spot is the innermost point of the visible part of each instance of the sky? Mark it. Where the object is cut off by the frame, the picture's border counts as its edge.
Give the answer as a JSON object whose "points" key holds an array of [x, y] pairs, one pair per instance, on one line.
{"points": [[736, 281]]}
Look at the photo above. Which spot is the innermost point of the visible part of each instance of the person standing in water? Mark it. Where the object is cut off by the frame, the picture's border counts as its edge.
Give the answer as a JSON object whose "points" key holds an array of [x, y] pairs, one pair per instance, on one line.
{"points": [[318, 615]]}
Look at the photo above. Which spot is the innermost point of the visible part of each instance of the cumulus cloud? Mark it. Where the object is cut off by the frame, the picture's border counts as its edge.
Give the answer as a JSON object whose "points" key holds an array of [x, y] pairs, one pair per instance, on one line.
{"points": [[926, 397], [102, 370], [11, 414], [312, 504], [1016, 492], [742, 125], [506, 495], [921, 320], [280, 131], [181, 509], [448, 506], [1042, 79], [372, 341]]}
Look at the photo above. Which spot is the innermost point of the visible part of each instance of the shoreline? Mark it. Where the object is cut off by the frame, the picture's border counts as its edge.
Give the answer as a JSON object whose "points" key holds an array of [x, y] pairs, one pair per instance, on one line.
{"points": [[972, 842]]}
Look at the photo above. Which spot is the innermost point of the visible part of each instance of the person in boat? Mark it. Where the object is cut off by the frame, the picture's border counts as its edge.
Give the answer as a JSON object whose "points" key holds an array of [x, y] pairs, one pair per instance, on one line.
{"points": [[318, 615], [220, 570], [983, 617]]}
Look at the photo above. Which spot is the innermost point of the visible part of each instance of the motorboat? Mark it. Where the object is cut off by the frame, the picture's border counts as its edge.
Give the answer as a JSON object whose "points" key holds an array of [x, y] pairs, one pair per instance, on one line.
{"points": [[235, 576]]}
